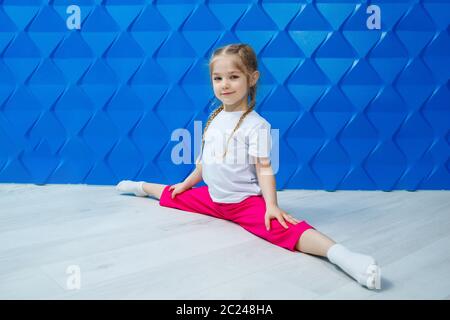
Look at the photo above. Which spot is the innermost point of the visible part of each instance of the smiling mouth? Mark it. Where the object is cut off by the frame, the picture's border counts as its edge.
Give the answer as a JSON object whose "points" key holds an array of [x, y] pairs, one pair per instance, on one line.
{"points": [[226, 93]]}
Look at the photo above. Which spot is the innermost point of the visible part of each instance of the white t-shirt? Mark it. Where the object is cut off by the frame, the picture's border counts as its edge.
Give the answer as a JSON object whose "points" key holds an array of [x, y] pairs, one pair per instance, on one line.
{"points": [[233, 178]]}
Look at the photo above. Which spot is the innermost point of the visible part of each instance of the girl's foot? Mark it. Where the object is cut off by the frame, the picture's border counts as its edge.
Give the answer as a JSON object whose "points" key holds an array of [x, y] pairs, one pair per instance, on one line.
{"points": [[374, 279], [135, 187], [362, 268]]}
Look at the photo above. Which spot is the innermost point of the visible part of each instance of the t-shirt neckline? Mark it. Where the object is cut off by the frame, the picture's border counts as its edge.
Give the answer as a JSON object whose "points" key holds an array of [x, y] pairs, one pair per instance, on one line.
{"points": [[235, 112]]}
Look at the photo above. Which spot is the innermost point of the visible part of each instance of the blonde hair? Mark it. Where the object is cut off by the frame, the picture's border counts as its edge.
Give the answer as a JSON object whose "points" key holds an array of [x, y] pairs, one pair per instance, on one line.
{"points": [[248, 64]]}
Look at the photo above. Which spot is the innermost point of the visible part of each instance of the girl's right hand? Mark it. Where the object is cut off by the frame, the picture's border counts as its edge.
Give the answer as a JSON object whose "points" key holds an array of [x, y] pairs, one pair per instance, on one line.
{"points": [[178, 188]]}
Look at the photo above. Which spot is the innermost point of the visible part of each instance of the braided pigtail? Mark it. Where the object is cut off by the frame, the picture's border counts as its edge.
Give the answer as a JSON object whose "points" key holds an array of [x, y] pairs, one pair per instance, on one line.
{"points": [[211, 118]]}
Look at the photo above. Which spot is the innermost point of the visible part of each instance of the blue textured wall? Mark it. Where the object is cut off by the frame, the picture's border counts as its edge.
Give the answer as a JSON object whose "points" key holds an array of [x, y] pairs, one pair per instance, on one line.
{"points": [[356, 108]]}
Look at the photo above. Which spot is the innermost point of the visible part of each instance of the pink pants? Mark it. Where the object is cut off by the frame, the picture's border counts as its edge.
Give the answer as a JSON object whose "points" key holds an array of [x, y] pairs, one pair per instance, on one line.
{"points": [[248, 213]]}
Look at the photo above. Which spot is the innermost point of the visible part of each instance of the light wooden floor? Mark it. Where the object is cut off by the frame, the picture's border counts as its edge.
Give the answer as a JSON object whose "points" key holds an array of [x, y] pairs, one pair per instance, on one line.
{"points": [[128, 247]]}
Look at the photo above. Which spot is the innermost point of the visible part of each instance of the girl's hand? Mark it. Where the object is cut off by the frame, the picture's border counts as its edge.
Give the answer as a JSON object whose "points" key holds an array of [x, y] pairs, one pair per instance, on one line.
{"points": [[280, 215], [178, 188]]}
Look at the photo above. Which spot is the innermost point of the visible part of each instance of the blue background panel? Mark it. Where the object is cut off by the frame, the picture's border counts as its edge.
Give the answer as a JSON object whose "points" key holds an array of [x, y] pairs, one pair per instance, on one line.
{"points": [[357, 109]]}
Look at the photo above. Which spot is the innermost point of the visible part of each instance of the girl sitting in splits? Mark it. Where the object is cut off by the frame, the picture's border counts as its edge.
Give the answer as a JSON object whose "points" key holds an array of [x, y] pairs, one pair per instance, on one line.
{"points": [[244, 191]]}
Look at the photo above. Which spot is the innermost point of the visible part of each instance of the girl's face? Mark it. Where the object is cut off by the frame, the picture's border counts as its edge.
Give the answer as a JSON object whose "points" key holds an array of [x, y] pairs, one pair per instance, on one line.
{"points": [[230, 84]]}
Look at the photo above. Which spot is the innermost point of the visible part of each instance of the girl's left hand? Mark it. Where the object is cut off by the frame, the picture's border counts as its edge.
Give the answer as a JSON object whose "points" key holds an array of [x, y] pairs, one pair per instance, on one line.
{"points": [[275, 212]]}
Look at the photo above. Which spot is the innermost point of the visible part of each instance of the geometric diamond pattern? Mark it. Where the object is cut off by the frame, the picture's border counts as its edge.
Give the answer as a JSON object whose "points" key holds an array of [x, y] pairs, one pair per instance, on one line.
{"points": [[357, 109]]}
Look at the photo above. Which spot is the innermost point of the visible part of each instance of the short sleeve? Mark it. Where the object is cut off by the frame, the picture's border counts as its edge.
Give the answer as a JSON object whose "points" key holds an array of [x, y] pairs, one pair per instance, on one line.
{"points": [[260, 141]]}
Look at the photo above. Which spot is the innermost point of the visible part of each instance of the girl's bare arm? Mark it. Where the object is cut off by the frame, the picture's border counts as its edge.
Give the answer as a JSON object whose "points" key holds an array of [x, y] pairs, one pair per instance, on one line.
{"points": [[195, 177], [266, 181]]}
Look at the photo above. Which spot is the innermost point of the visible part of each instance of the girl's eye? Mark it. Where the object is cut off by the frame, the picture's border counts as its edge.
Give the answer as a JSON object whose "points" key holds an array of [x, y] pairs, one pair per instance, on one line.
{"points": [[232, 77]]}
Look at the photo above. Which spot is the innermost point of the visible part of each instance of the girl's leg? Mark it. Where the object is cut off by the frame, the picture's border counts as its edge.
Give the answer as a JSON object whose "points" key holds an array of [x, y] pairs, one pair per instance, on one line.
{"points": [[314, 242], [362, 268], [141, 188], [153, 189], [303, 237]]}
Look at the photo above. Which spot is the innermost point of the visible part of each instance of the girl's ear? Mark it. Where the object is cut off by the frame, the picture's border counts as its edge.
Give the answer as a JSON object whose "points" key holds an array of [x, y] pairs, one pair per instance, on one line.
{"points": [[254, 78]]}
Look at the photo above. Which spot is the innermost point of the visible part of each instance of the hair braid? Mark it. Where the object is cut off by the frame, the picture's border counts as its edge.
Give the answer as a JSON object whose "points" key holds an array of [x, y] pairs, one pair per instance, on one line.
{"points": [[211, 118], [252, 95]]}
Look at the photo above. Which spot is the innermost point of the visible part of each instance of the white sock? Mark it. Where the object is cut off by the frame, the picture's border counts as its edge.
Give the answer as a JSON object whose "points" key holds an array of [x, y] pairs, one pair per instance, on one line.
{"points": [[362, 268], [129, 186]]}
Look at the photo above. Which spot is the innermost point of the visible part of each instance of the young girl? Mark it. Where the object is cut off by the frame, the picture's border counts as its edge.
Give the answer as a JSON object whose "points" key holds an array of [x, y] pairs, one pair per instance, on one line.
{"points": [[244, 191]]}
